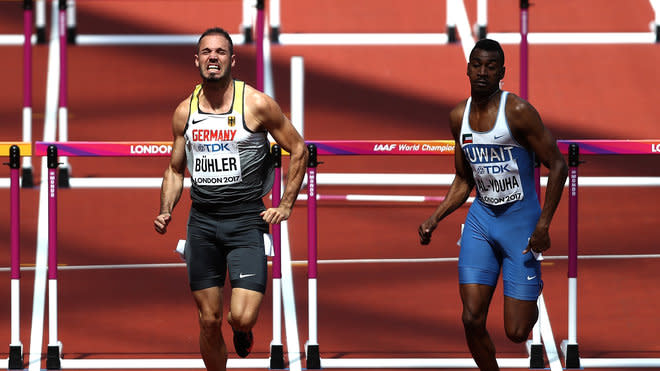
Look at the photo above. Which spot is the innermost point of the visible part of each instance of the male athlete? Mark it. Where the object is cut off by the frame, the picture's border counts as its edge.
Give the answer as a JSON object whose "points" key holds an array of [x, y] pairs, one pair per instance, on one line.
{"points": [[220, 134], [498, 135]]}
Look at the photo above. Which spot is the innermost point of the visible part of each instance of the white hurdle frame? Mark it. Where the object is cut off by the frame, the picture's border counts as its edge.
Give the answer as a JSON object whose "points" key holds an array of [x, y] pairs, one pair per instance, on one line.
{"points": [[481, 27], [570, 346], [73, 37], [541, 333], [55, 359]]}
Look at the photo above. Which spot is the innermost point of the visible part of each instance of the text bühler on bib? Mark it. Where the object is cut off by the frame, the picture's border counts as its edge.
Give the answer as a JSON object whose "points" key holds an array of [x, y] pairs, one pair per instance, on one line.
{"points": [[216, 159]]}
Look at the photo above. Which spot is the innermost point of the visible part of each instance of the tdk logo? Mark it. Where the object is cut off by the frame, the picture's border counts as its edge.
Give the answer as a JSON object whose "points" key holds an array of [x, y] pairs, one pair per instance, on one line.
{"points": [[213, 147]]}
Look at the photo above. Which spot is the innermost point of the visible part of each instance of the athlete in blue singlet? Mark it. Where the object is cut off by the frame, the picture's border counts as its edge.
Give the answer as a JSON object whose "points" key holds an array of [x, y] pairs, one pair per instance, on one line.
{"points": [[498, 135], [220, 135]]}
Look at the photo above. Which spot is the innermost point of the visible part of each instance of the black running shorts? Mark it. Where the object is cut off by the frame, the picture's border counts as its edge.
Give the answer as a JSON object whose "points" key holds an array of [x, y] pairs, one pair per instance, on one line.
{"points": [[227, 238]]}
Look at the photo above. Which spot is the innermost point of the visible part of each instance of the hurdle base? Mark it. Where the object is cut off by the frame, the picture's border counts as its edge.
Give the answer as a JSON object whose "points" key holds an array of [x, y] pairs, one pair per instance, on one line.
{"points": [[536, 356], [27, 179], [451, 34], [15, 357], [247, 35], [275, 35], [63, 178], [53, 361], [571, 354], [71, 34], [313, 357], [482, 32], [41, 35], [277, 357]]}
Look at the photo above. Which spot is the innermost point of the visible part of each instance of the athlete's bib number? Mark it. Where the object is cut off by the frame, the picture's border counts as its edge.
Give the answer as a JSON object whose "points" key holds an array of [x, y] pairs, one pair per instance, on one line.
{"points": [[217, 168], [498, 183]]}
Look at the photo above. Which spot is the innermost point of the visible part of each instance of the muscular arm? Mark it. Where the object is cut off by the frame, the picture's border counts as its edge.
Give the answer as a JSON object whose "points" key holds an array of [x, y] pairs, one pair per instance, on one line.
{"points": [[528, 129], [172, 185], [460, 187], [264, 113]]}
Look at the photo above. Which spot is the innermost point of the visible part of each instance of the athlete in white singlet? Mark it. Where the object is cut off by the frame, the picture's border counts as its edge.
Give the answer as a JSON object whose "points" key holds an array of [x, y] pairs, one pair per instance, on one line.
{"points": [[497, 136]]}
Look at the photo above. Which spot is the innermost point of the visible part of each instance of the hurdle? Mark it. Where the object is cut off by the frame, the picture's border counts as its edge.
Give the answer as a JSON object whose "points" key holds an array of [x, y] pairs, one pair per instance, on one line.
{"points": [[14, 151], [312, 348], [245, 35], [54, 359], [26, 40], [569, 347]]}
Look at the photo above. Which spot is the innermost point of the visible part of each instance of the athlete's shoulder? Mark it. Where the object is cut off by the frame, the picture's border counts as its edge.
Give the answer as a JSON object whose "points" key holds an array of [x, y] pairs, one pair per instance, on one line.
{"points": [[184, 106], [456, 114], [456, 118], [257, 101], [516, 105], [181, 114]]}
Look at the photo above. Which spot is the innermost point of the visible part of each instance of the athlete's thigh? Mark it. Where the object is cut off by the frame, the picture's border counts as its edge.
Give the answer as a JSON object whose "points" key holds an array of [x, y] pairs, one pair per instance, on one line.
{"points": [[209, 301], [478, 262], [519, 315], [521, 273], [247, 264], [205, 260], [245, 303]]}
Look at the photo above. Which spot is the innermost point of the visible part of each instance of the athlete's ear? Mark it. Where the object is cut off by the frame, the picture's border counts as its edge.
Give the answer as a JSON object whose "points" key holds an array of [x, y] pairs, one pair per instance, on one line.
{"points": [[196, 60], [233, 60], [502, 73]]}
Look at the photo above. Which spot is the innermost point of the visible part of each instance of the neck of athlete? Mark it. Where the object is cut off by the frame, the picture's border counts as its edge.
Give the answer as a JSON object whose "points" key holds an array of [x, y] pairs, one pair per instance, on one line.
{"points": [[482, 100], [217, 94]]}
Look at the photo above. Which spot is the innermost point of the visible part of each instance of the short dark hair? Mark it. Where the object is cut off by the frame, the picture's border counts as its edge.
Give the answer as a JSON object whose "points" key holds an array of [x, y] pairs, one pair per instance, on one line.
{"points": [[489, 45], [217, 31]]}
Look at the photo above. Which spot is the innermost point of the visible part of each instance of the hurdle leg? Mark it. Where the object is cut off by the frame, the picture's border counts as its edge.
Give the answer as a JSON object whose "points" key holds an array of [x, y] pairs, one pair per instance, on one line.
{"points": [[312, 353], [71, 27], [451, 23], [276, 347], [54, 355], [40, 21], [15, 347], [570, 347], [274, 11], [27, 180], [480, 27], [246, 26], [63, 113]]}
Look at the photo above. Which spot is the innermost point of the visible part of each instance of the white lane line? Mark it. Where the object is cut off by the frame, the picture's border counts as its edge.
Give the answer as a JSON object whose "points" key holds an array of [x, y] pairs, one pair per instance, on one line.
{"points": [[332, 261]]}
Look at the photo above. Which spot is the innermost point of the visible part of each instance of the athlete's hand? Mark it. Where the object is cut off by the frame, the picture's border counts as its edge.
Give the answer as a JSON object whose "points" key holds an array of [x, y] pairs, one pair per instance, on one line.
{"points": [[425, 230], [539, 241], [161, 222], [276, 215]]}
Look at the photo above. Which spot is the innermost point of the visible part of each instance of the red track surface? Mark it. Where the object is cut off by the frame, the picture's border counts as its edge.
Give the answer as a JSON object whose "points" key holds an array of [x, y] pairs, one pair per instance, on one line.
{"points": [[358, 92]]}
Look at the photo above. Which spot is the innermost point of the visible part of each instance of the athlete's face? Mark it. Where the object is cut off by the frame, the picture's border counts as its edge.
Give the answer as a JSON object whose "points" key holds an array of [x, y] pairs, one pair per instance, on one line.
{"points": [[214, 58], [485, 70]]}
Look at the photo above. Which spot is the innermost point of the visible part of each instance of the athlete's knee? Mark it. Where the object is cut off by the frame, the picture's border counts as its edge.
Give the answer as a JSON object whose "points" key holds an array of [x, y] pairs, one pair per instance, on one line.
{"points": [[518, 332], [243, 320], [518, 335], [473, 321], [210, 323]]}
